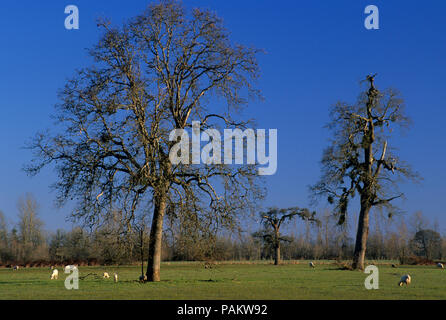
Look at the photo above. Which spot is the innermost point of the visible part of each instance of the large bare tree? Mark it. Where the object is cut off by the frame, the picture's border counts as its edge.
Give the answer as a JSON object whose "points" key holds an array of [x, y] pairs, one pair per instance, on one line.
{"points": [[158, 72], [360, 160]]}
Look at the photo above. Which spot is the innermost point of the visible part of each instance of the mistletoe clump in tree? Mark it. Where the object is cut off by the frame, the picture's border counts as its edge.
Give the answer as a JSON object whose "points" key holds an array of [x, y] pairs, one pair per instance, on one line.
{"points": [[360, 161]]}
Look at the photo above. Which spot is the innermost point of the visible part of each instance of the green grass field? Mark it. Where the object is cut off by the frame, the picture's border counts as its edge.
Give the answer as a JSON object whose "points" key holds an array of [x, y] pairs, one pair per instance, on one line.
{"points": [[227, 281]]}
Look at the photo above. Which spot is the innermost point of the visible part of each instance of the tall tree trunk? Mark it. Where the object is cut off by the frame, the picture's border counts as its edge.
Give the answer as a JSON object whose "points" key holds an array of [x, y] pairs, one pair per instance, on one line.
{"points": [[277, 254], [276, 245], [156, 235], [141, 252], [361, 236], [363, 223]]}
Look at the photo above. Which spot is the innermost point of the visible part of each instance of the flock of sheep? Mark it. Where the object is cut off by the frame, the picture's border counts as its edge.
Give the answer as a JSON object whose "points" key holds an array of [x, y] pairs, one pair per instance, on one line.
{"points": [[55, 273], [406, 279], [105, 275]]}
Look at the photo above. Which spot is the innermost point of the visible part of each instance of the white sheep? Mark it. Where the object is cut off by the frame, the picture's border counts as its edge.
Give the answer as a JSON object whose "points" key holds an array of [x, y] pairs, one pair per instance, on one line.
{"points": [[115, 277], [440, 265], [55, 274], [311, 264], [106, 275], [15, 268], [404, 280]]}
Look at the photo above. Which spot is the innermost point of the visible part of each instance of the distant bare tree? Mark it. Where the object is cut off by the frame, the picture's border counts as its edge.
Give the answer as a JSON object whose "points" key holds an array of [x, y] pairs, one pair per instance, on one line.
{"points": [[418, 222], [29, 226], [155, 74], [427, 243], [359, 159], [4, 241], [273, 219]]}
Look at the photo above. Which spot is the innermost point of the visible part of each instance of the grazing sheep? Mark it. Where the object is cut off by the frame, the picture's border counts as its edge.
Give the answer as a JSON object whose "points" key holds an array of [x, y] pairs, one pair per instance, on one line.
{"points": [[15, 268], [404, 280], [106, 275], [311, 264], [393, 266], [115, 277], [55, 274], [440, 265], [142, 278]]}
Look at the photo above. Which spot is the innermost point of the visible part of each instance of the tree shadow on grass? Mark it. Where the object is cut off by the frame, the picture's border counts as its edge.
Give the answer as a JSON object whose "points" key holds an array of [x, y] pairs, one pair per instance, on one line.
{"points": [[18, 282], [210, 280]]}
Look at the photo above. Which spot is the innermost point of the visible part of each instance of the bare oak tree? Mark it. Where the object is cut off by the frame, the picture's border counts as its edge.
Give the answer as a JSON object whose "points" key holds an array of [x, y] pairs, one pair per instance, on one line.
{"points": [[29, 227], [156, 73], [359, 159], [272, 221]]}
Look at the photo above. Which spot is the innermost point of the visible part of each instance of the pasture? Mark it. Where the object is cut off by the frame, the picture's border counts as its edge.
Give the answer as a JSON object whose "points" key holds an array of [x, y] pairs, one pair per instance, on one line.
{"points": [[183, 280]]}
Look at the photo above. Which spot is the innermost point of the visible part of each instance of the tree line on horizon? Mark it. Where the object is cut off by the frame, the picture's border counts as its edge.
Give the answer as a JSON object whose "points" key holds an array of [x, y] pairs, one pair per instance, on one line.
{"points": [[27, 243]]}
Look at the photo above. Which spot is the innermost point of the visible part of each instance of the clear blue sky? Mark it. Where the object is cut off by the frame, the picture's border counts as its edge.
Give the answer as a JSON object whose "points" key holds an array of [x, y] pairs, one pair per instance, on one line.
{"points": [[317, 52]]}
